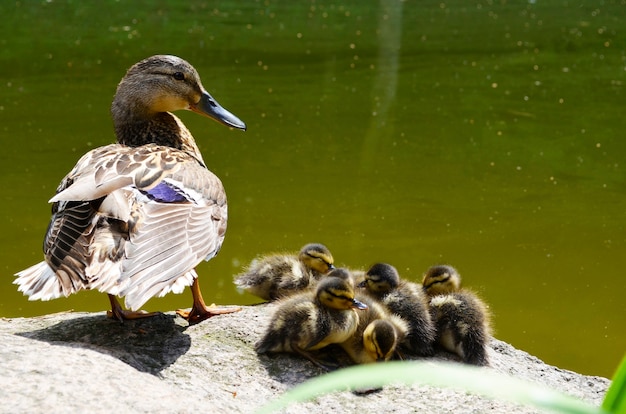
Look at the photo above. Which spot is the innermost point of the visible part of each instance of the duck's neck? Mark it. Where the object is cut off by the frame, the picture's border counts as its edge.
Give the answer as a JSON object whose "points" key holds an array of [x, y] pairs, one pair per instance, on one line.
{"points": [[162, 128]]}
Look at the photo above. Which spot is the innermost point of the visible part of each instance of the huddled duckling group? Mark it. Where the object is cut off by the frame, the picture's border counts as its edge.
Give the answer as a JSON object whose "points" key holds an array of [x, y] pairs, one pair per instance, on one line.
{"points": [[373, 315]]}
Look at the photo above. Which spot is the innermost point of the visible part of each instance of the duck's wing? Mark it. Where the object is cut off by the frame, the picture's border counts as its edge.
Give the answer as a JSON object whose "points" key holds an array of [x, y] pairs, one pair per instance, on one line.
{"points": [[134, 222], [177, 217], [174, 224]]}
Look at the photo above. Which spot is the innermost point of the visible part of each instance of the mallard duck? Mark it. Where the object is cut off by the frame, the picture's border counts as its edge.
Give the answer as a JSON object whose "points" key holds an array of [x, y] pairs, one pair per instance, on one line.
{"points": [[462, 320], [378, 333], [133, 219], [311, 320], [275, 276], [405, 299]]}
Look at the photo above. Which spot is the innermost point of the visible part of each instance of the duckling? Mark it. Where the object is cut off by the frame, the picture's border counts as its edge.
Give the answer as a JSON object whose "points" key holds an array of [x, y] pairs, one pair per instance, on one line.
{"points": [[461, 318], [381, 339], [441, 279], [378, 333], [311, 320], [133, 219], [406, 300], [275, 276]]}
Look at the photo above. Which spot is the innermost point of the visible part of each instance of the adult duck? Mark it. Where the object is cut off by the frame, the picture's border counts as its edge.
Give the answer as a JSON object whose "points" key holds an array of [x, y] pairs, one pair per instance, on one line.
{"points": [[133, 219]]}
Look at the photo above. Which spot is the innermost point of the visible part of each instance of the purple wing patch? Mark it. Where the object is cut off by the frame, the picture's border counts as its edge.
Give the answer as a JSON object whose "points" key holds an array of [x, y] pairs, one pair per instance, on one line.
{"points": [[165, 192]]}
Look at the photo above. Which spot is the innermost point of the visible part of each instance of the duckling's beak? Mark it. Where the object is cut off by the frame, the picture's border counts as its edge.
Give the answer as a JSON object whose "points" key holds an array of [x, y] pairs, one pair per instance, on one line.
{"points": [[209, 107], [358, 304]]}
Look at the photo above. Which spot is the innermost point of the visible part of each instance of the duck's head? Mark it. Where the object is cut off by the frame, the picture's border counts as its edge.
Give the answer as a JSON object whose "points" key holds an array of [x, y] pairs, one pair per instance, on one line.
{"points": [[381, 278], [164, 83], [380, 340], [441, 279], [317, 257], [337, 291]]}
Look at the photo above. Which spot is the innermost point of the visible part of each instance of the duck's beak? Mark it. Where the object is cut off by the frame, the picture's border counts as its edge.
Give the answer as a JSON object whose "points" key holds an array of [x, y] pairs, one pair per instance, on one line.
{"points": [[209, 107], [358, 304]]}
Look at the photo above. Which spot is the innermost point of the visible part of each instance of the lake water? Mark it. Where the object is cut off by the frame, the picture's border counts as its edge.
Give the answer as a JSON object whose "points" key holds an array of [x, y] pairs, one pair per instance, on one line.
{"points": [[487, 134]]}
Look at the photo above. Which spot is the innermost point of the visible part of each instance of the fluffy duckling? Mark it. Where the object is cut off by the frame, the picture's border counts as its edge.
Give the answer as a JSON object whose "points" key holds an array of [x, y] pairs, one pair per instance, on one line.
{"points": [[275, 276], [406, 300], [310, 320], [133, 219], [462, 320], [378, 334]]}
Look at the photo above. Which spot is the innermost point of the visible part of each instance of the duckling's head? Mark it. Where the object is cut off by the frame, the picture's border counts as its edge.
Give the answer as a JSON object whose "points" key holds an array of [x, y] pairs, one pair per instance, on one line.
{"points": [[381, 278], [160, 84], [441, 279], [317, 257], [341, 273], [380, 340], [337, 292]]}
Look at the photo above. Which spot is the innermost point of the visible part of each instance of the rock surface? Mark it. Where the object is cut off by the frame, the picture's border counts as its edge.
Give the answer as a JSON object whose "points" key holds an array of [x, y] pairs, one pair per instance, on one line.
{"points": [[84, 362]]}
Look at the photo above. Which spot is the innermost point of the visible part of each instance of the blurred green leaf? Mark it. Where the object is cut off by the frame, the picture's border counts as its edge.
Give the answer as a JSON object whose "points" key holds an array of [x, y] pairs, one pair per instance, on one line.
{"points": [[475, 380], [615, 399]]}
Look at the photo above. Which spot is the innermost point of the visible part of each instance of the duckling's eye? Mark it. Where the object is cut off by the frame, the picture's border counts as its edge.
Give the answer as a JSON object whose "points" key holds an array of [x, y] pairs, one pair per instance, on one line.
{"points": [[179, 75]]}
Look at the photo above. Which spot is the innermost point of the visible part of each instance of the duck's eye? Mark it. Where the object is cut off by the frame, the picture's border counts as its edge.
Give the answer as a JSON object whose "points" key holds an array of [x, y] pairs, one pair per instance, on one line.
{"points": [[179, 76]]}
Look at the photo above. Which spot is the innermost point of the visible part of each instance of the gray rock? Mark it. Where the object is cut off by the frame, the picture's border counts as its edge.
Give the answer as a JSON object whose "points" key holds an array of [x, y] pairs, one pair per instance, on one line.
{"points": [[80, 362]]}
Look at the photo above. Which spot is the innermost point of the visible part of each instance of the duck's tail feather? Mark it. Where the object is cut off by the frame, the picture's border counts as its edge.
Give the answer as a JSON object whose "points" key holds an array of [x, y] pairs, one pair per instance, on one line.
{"points": [[39, 282]]}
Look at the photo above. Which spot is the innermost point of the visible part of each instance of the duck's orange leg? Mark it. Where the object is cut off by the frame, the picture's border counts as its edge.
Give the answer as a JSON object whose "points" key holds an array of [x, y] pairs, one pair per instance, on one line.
{"points": [[121, 314], [200, 311]]}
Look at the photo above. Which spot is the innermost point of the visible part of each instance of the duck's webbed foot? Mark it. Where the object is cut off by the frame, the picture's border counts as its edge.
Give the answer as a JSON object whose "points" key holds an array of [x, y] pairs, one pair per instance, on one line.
{"points": [[121, 314], [200, 311], [198, 314]]}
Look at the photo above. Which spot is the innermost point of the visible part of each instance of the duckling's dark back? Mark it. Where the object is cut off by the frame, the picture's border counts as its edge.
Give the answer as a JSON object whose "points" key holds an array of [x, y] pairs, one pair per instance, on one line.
{"points": [[290, 322], [410, 303], [465, 318]]}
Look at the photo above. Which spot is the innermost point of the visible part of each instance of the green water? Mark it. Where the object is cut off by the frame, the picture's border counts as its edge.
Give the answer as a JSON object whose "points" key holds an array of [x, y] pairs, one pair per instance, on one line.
{"points": [[484, 134]]}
